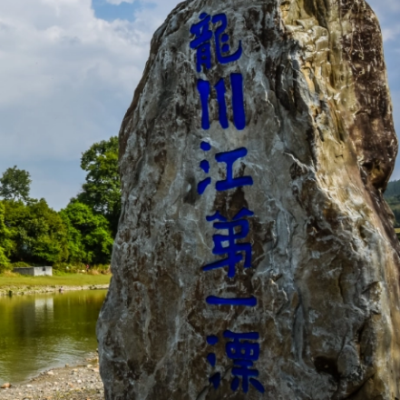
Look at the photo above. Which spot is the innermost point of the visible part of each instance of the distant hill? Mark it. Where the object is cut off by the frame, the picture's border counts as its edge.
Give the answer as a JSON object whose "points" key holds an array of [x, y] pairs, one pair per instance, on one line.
{"points": [[393, 189], [392, 196]]}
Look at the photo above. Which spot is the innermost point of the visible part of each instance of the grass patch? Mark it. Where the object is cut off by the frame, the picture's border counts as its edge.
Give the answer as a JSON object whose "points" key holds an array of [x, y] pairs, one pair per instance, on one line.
{"points": [[11, 279]]}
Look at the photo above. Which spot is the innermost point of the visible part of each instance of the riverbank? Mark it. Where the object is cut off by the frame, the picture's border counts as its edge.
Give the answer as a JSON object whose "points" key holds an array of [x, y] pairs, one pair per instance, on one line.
{"points": [[26, 290], [14, 284], [79, 382]]}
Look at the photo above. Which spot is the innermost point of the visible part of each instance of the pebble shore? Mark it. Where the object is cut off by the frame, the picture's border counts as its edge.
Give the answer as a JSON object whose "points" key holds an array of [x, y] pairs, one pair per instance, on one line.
{"points": [[79, 382], [22, 290]]}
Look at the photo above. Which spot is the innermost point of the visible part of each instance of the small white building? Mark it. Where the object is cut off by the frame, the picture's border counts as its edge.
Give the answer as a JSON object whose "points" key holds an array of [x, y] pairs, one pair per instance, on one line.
{"points": [[34, 271]]}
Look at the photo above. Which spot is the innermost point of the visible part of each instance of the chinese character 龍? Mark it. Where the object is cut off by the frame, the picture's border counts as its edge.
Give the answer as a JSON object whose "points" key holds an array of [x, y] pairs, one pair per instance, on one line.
{"points": [[202, 41]]}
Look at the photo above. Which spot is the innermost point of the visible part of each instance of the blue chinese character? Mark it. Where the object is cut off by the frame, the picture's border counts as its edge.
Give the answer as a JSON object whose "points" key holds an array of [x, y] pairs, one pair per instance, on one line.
{"points": [[228, 158], [212, 359], [239, 116], [237, 229], [205, 166], [202, 41], [235, 301], [205, 90], [221, 39], [244, 352]]}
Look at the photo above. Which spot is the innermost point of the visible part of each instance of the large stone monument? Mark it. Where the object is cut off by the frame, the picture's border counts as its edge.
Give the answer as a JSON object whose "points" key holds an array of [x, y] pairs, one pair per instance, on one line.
{"points": [[255, 257]]}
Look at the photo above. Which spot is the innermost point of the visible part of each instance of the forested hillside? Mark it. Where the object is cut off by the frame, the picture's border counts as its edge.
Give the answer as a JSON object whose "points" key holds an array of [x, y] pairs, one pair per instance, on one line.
{"points": [[393, 189], [32, 233], [392, 196]]}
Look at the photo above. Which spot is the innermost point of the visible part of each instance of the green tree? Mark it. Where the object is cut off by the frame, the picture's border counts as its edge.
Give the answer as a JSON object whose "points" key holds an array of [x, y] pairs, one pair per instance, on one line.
{"points": [[89, 236], [15, 184], [6, 244], [392, 189], [102, 190], [38, 233]]}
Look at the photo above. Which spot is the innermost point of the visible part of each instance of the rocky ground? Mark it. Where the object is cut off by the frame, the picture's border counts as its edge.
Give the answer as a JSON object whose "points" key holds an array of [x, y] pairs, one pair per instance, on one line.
{"points": [[21, 290], [79, 382]]}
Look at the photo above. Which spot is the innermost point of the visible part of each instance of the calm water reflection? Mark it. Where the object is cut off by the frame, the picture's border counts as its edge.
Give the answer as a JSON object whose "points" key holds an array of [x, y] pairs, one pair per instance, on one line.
{"points": [[41, 332]]}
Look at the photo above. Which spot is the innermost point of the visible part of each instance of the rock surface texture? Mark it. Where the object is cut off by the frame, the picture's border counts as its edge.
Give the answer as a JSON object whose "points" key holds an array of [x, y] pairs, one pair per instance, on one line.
{"points": [[319, 146]]}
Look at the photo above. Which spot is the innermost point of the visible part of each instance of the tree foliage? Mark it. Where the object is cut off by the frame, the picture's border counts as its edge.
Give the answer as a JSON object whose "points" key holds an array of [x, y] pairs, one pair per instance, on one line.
{"points": [[392, 196], [89, 235], [15, 184], [392, 189], [38, 233], [33, 233], [102, 190], [6, 243]]}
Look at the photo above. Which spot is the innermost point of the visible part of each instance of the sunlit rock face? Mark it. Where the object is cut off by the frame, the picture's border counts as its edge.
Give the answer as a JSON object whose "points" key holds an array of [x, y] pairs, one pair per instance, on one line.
{"points": [[279, 279]]}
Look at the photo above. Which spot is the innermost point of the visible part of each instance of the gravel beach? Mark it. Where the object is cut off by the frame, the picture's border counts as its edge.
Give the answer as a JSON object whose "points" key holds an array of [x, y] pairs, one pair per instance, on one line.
{"points": [[79, 382], [26, 290]]}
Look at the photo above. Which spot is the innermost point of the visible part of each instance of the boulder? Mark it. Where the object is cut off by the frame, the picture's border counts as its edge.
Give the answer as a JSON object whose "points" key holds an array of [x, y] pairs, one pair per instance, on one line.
{"points": [[5, 385], [255, 256]]}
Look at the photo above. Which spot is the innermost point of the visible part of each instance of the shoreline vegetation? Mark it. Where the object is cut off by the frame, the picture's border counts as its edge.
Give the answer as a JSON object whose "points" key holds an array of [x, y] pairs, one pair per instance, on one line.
{"points": [[15, 284]]}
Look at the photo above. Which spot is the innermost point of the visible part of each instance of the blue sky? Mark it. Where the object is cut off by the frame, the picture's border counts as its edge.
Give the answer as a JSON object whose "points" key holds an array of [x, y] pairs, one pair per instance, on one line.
{"points": [[68, 69], [110, 12], [388, 12], [124, 10]]}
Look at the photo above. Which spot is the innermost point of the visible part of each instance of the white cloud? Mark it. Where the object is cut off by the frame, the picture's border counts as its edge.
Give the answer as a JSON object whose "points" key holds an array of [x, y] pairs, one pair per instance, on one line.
{"points": [[66, 79], [390, 33]]}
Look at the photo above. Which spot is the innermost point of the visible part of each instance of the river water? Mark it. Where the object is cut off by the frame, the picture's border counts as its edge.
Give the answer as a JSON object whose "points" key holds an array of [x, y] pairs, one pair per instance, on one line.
{"points": [[45, 331]]}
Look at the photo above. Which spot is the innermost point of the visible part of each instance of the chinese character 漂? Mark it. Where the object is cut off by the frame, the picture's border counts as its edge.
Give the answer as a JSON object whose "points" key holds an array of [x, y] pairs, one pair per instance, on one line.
{"points": [[228, 158], [243, 350]]}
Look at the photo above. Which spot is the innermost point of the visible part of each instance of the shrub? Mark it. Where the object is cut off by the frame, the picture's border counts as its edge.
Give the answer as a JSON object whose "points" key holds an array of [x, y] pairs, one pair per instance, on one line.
{"points": [[20, 264]]}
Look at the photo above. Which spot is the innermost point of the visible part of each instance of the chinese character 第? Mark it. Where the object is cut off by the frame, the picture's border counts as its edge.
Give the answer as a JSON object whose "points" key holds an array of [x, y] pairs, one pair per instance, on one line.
{"points": [[237, 229]]}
